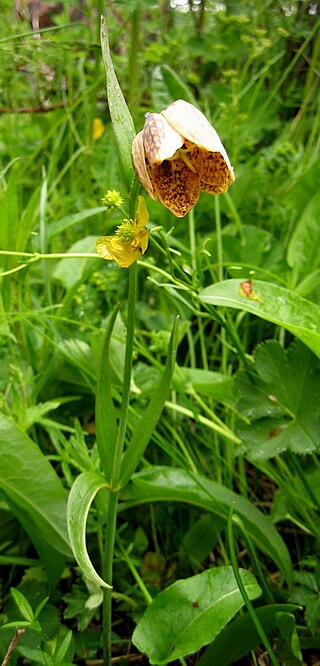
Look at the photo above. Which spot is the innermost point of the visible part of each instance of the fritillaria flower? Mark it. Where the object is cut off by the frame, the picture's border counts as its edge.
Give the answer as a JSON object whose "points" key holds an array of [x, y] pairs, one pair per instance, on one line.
{"points": [[130, 240], [178, 154]]}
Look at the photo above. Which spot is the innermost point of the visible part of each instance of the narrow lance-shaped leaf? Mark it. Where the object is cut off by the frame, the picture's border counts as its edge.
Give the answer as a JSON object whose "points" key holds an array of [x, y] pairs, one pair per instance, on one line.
{"points": [[80, 499], [106, 425], [148, 422], [271, 302], [122, 122]]}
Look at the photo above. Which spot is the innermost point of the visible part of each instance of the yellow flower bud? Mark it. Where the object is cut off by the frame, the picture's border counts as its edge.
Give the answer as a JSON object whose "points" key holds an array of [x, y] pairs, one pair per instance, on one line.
{"points": [[178, 154]]}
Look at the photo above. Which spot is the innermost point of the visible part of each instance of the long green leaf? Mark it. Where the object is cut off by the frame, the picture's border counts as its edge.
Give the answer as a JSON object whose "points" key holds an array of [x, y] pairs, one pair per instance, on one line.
{"points": [[190, 613], [80, 499], [177, 485], [148, 421], [304, 247], [241, 636], [32, 489], [122, 122], [268, 301], [106, 425]]}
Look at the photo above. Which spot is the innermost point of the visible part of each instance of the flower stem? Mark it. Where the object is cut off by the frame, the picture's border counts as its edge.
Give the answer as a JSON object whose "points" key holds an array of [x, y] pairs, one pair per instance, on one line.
{"points": [[114, 496]]}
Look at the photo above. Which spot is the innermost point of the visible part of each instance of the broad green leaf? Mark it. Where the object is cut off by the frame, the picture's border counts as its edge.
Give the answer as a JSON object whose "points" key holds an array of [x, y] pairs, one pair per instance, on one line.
{"points": [[288, 646], [177, 485], [106, 425], [69, 270], [273, 303], [304, 247], [205, 382], [201, 538], [304, 188], [81, 496], [122, 122], [32, 489], [255, 248], [68, 221], [283, 412], [309, 283], [241, 636], [149, 419], [190, 613]]}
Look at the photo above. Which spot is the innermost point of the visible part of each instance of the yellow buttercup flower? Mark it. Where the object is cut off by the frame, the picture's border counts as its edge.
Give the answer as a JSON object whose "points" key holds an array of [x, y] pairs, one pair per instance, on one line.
{"points": [[130, 240], [178, 154]]}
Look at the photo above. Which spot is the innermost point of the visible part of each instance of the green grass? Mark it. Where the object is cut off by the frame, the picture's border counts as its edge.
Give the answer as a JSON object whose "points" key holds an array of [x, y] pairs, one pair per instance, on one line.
{"points": [[240, 421]]}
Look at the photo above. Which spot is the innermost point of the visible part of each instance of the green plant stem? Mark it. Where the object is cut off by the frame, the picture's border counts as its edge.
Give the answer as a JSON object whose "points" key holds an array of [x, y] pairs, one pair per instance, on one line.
{"points": [[107, 573], [255, 560], [244, 594], [132, 295], [114, 496]]}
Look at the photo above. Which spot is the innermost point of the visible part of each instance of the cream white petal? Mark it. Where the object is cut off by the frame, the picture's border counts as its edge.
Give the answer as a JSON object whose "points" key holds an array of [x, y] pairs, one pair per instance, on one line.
{"points": [[193, 125], [160, 140], [138, 158]]}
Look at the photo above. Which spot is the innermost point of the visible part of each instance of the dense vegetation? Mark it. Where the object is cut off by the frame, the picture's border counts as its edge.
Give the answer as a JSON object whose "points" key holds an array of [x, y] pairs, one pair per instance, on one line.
{"points": [[188, 447]]}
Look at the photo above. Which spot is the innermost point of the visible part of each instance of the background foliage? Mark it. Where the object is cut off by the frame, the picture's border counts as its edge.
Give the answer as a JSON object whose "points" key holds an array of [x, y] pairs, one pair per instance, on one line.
{"points": [[241, 423]]}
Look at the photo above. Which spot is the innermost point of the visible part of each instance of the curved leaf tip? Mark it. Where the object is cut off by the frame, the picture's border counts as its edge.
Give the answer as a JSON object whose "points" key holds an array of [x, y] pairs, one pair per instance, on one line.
{"points": [[82, 494]]}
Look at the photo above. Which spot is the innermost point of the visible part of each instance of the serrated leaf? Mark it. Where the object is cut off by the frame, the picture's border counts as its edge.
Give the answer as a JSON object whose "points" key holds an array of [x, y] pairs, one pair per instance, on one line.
{"points": [[190, 613], [177, 485], [284, 412], [81, 496], [273, 303]]}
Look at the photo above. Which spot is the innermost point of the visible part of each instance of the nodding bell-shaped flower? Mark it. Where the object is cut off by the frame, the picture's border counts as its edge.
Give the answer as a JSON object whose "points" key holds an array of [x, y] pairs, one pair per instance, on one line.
{"points": [[177, 154]]}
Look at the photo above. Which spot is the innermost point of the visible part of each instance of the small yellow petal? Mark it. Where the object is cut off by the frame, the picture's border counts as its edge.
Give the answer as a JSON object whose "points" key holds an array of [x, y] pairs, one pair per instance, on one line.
{"points": [[97, 128], [114, 248], [142, 214]]}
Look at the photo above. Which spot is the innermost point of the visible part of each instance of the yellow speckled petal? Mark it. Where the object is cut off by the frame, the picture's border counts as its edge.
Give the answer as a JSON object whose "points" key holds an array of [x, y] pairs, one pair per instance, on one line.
{"points": [[215, 174], [160, 140], [138, 158], [176, 186]]}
